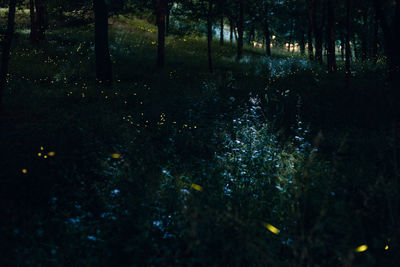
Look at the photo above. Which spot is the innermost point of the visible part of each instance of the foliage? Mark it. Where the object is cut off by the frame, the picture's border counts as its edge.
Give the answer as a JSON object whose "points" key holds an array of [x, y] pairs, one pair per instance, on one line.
{"points": [[252, 165]]}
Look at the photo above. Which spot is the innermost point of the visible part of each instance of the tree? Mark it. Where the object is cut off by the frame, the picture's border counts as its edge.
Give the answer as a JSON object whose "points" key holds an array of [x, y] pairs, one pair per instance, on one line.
{"points": [[5, 57], [209, 35], [240, 27], [391, 33], [102, 53], [347, 41], [267, 34], [317, 25], [331, 56], [161, 9], [38, 19]]}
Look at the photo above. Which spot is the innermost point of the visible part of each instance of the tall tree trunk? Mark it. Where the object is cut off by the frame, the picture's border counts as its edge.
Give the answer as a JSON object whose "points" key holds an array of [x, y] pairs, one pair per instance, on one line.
{"points": [[40, 20], [33, 33], [364, 38], [390, 35], [161, 10], [267, 33], [167, 21], [5, 57], [221, 37], [317, 31], [102, 53], [231, 30], [240, 27], [302, 43], [331, 56], [342, 45], [252, 35], [348, 49], [209, 36], [376, 40], [310, 41], [291, 34]]}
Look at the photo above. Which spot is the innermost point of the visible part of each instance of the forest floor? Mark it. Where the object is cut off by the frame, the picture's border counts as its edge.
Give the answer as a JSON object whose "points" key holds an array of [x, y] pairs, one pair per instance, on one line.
{"points": [[264, 162]]}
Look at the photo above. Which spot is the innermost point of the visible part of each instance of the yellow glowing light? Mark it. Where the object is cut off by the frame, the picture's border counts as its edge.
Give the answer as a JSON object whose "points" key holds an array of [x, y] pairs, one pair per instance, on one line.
{"points": [[115, 156], [51, 154], [24, 171], [41, 148], [197, 187], [45, 156], [39, 154], [271, 228], [386, 247], [361, 248]]}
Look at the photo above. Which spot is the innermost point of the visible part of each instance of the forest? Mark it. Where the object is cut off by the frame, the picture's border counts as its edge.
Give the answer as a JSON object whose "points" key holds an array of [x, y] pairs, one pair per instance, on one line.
{"points": [[199, 133]]}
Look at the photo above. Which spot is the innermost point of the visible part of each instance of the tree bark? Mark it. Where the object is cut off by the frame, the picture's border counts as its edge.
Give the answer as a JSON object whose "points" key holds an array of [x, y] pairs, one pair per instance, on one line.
{"points": [[7, 42], [331, 56], [167, 20], [376, 40], [302, 43], [221, 37], [390, 35], [102, 53], [310, 41], [32, 15], [342, 45], [209, 36], [161, 10], [348, 49], [364, 38], [252, 35], [267, 33], [240, 27], [317, 31], [291, 34], [231, 30], [40, 20]]}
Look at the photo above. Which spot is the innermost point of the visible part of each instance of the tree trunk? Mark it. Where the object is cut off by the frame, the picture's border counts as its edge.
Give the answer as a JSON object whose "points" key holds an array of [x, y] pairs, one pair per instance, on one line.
{"points": [[240, 27], [348, 49], [5, 57], [231, 30], [40, 20], [267, 34], [364, 38], [390, 35], [167, 21], [161, 10], [291, 34], [317, 31], [252, 35], [209, 36], [310, 41], [375, 41], [102, 53], [221, 37], [331, 56], [32, 35], [342, 45], [302, 43]]}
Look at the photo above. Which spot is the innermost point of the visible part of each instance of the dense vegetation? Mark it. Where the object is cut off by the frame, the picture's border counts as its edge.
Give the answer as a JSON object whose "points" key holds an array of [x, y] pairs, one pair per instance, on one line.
{"points": [[154, 143]]}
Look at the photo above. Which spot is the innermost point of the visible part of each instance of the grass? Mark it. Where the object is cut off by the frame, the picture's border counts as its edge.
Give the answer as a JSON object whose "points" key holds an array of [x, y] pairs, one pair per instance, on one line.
{"points": [[184, 167]]}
